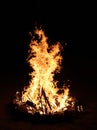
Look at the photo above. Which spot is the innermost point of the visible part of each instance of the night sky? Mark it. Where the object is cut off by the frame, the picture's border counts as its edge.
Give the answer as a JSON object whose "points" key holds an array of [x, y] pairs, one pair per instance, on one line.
{"points": [[71, 23]]}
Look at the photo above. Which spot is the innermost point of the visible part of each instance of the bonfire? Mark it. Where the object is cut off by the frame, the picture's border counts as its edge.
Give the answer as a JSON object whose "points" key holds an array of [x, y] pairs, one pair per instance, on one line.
{"points": [[43, 95]]}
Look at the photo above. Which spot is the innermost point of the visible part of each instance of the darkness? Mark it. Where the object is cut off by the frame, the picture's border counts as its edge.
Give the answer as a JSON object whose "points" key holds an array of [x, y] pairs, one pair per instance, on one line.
{"points": [[71, 23]]}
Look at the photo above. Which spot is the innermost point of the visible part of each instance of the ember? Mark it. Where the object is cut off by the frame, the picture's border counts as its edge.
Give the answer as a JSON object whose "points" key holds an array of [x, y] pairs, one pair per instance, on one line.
{"points": [[42, 95]]}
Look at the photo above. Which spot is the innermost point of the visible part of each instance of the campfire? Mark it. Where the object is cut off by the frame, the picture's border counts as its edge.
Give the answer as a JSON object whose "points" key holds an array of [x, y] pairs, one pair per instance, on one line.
{"points": [[43, 95]]}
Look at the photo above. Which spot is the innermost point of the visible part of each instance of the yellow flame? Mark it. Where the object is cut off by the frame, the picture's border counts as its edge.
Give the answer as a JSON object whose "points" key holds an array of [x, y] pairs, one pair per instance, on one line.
{"points": [[42, 89]]}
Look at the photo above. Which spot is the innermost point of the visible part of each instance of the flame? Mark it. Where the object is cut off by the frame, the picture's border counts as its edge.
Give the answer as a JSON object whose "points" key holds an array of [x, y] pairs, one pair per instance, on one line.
{"points": [[45, 61]]}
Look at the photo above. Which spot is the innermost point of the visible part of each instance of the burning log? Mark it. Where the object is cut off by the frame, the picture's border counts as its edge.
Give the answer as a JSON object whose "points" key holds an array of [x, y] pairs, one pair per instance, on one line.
{"points": [[46, 99]]}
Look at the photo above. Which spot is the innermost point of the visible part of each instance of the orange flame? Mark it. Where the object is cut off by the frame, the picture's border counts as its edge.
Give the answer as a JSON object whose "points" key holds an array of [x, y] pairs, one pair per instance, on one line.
{"points": [[42, 89]]}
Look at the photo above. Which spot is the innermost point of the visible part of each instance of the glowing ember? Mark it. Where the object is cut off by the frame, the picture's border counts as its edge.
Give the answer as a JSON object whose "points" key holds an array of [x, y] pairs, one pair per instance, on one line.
{"points": [[42, 95]]}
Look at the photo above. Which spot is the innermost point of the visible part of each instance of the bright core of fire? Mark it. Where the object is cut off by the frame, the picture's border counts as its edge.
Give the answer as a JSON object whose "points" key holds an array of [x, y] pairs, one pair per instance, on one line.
{"points": [[42, 91]]}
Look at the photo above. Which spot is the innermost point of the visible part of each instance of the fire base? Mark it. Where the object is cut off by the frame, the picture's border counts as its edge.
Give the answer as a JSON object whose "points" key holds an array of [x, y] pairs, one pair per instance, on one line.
{"points": [[21, 112]]}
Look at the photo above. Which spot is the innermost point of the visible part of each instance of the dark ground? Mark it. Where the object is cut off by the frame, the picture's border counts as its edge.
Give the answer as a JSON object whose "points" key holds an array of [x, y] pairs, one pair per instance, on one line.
{"points": [[74, 25]]}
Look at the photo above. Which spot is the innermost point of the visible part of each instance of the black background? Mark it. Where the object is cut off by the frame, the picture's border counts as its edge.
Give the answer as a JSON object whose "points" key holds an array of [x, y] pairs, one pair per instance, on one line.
{"points": [[73, 23]]}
